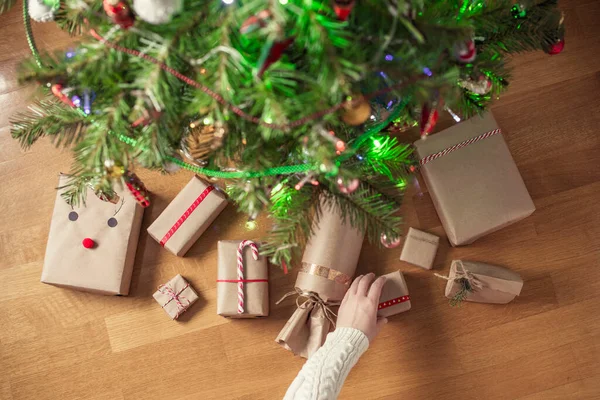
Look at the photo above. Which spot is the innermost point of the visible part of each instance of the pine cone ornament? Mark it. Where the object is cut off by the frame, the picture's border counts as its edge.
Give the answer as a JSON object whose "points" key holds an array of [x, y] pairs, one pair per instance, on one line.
{"points": [[157, 11], [481, 85], [201, 141]]}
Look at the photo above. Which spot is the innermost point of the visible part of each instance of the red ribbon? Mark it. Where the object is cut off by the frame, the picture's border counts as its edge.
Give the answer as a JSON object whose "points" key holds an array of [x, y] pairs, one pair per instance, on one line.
{"points": [[393, 302], [242, 280], [186, 214]]}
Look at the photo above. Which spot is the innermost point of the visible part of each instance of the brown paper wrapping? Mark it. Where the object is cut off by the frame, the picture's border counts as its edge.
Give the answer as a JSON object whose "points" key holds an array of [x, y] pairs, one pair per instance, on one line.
{"points": [[332, 255], [184, 292], [256, 294], [499, 285], [394, 297], [106, 268], [420, 248], [195, 224], [477, 189]]}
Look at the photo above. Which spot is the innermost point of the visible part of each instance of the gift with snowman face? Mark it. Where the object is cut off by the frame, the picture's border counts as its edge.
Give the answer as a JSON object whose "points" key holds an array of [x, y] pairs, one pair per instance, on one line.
{"points": [[92, 247]]}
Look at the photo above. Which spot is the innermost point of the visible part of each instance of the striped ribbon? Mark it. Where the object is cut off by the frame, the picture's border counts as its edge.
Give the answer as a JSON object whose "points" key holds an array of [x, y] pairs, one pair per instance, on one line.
{"points": [[176, 297], [240, 269], [393, 302], [458, 146], [186, 214]]}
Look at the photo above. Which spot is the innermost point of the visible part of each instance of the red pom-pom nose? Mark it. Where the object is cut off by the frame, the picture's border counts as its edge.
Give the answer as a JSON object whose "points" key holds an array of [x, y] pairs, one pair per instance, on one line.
{"points": [[88, 243]]}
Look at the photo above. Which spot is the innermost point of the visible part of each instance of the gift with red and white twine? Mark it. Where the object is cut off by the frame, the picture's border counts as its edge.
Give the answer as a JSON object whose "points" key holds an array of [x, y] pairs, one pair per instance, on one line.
{"points": [[186, 218], [242, 280], [175, 296], [473, 180]]}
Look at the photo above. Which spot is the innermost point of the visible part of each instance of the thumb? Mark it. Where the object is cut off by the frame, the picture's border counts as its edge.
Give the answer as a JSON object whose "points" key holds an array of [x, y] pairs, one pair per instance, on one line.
{"points": [[380, 323]]}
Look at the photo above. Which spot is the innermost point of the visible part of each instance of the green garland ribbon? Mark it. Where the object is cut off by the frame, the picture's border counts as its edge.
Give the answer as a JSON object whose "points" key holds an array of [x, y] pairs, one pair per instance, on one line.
{"points": [[29, 34]]}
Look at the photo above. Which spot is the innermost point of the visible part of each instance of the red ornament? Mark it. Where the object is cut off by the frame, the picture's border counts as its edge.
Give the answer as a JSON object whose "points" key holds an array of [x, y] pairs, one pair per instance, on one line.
{"points": [[119, 12], [343, 8], [390, 244], [272, 54], [348, 187], [88, 243], [428, 120], [255, 22], [465, 52], [56, 90], [557, 47]]}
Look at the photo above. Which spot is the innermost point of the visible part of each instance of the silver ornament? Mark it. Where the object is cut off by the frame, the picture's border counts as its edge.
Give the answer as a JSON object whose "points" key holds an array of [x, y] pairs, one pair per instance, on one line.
{"points": [[157, 11], [40, 12]]}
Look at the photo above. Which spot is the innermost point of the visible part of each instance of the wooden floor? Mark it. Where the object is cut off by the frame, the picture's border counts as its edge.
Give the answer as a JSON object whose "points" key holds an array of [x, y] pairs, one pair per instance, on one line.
{"points": [[61, 344]]}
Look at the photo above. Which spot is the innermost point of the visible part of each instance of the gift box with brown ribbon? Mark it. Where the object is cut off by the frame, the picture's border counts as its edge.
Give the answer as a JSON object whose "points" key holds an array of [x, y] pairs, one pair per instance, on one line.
{"points": [[472, 178], [175, 296], [186, 218], [242, 280], [328, 265]]}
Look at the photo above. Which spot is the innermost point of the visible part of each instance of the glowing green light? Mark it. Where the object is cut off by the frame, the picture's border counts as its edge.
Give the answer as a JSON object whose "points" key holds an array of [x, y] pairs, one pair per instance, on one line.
{"points": [[207, 121], [268, 120], [277, 188], [377, 143], [251, 225], [401, 183], [283, 2]]}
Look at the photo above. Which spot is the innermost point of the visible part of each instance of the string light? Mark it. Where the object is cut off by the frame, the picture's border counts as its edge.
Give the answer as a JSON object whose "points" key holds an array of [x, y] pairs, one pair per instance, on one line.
{"points": [[251, 225], [207, 121], [228, 1], [283, 2]]}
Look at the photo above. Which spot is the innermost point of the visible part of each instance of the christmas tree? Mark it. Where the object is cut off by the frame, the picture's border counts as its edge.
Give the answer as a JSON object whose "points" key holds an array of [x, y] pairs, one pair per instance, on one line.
{"points": [[283, 102]]}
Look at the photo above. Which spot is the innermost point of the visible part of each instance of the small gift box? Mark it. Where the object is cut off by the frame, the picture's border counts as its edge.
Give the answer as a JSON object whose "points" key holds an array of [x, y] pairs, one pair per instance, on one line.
{"points": [[481, 283], [187, 217], [394, 296], [328, 265], [92, 247], [474, 183], [175, 296], [242, 280], [420, 248]]}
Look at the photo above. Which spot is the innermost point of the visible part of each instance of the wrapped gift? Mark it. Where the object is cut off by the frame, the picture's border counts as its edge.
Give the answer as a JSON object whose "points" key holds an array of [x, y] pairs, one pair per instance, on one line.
{"points": [[328, 265], [187, 217], [92, 247], [481, 283], [242, 280], [420, 248], [175, 296], [394, 297], [474, 183]]}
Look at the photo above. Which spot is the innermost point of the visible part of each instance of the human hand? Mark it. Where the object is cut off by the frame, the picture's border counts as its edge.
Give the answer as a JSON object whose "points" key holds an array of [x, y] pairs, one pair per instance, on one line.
{"points": [[359, 307]]}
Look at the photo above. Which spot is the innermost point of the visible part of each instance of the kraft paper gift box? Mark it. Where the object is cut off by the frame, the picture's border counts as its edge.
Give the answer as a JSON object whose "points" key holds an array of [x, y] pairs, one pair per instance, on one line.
{"points": [[328, 265], [419, 248], [255, 287], [175, 296], [481, 283], [474, 183], [186, 218], [394, 296], [113, 228]]}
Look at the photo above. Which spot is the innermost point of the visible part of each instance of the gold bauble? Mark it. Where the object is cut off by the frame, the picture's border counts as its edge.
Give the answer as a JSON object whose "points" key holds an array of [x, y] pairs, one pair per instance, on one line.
{"points": [[357, 113]]}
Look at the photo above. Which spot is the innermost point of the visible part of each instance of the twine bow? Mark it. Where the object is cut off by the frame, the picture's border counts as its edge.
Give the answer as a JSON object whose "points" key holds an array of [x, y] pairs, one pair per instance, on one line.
{"points": [[176, 297], [311, 298], [240, 265], [469, 283]]}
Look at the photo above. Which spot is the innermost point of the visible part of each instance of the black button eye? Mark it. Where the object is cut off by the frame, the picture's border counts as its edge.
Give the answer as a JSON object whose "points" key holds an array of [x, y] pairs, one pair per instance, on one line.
{"points": [[73, 216], [112, 222]]}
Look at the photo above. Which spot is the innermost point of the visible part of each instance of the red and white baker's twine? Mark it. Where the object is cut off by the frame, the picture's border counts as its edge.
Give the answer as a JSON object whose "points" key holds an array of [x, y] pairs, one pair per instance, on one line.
{"points": [[457, 146], [240, 269], [186, 214], [176, 297], [239, 111]]}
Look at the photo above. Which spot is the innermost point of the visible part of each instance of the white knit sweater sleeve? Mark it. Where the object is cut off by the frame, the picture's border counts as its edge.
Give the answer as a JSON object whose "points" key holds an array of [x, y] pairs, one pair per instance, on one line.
{"points": [[323, 375]]}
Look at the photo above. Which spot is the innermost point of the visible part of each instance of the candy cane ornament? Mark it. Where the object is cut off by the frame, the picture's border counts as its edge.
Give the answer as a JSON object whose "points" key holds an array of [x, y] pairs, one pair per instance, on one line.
{"points": [[240, 264]]}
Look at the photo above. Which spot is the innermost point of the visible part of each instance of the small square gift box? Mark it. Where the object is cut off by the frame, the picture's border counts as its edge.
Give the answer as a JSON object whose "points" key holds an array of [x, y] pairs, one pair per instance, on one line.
{"points": [[186, 218], [481, 283], [394, 297], [473, 181], [242, 280], [92, 247], [175, 296], [420, 248]]}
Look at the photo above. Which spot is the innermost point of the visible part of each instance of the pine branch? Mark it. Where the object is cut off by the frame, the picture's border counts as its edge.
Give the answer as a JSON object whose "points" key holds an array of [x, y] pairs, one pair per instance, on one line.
{"points": [[6, 5]]}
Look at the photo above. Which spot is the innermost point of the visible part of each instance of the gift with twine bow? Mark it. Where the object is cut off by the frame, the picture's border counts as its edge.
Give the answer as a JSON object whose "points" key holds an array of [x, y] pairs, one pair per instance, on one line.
{"points": [[328, 265], [473, 180], [175, 296], [242, 280], [481, 283]]}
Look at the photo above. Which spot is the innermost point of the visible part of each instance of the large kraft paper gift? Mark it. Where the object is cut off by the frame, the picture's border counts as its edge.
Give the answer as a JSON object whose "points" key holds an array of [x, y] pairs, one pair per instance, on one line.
{"points": [[481, 283], [242, 293], [474, 183], [186, 218], [328, 265], [92, 247]]}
